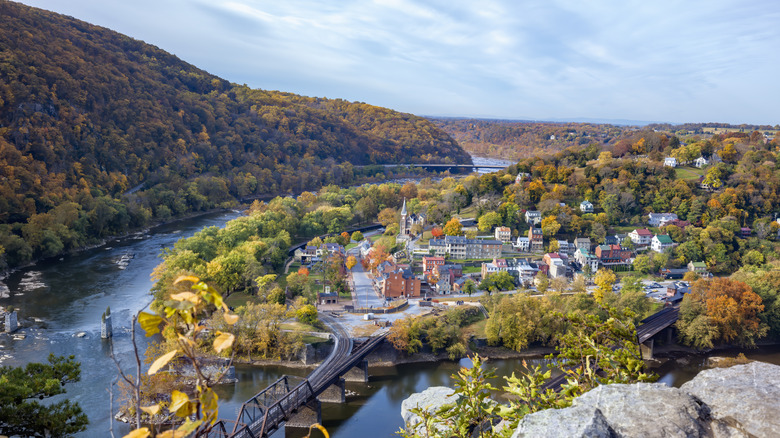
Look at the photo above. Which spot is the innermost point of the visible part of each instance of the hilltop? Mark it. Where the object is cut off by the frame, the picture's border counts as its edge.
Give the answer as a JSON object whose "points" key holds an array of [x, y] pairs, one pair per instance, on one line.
{"points": [[100, 133]]}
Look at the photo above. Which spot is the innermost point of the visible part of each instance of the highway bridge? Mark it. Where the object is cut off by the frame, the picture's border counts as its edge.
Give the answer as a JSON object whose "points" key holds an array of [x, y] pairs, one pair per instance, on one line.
{"points": [[278, 404], [441, 166]]}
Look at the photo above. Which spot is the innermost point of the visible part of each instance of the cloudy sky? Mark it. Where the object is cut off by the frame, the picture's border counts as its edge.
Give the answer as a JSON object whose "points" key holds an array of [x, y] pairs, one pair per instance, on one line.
{"points": [[691, 61]]}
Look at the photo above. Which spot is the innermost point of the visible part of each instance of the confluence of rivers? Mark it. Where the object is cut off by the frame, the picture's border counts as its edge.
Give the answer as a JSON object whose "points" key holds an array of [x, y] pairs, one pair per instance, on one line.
{"points": [[67, 296]]}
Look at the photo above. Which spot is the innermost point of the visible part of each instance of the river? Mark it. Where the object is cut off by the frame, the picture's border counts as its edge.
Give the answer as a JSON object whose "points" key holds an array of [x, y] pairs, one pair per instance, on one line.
{"points": [[59, 298]]}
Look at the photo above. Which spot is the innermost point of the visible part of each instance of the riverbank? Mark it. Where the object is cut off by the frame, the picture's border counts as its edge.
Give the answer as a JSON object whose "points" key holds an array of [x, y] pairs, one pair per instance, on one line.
{"points": [[139, 233]]}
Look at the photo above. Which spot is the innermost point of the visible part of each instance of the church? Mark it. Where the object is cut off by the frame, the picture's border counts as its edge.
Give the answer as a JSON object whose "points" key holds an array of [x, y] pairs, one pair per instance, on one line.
{"points": [[408, 221]]}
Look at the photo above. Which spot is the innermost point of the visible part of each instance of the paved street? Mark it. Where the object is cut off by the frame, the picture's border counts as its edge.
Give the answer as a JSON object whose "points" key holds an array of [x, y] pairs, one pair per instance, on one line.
{"points": [[364, 294]]}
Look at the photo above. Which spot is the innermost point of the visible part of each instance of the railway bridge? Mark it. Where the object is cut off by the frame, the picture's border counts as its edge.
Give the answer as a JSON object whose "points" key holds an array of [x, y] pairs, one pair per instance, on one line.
{"points": [[299, 406]]}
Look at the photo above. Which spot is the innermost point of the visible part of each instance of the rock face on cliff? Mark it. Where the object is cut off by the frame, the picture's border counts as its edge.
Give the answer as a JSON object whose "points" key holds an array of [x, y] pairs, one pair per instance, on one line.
{"points": [[741, 401], [746, 398], [430, 400]]}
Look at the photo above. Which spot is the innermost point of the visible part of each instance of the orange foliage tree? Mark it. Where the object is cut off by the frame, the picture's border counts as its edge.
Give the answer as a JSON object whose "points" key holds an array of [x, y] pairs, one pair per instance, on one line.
{"points": [[721, 310]]}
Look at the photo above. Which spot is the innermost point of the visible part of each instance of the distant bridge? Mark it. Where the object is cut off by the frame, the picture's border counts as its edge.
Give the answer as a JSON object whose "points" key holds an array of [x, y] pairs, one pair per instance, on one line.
{"points": [[278, 404], [431, 166]]}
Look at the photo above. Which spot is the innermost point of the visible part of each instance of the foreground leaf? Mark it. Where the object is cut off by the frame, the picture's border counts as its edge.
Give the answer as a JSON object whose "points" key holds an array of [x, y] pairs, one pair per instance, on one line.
{"points": [[161, 362], [322, 429], [189, 278], [138, 433], [178, 433], [179, 403], [230, 318], [150, 323], [223, 341], [151, 410]]}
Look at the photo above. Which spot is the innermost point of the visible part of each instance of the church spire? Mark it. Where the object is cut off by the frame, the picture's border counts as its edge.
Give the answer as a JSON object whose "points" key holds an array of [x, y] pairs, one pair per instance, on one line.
{"points": [[403, 209]]}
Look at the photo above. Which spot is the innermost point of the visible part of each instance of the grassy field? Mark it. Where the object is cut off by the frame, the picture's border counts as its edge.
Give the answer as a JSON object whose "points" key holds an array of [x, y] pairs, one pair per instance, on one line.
{"points": [[237, 299], [472, 269], [688, 172], [477, 329]]}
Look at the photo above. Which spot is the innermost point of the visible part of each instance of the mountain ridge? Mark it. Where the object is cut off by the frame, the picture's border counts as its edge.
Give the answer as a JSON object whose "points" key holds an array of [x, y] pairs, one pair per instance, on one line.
{"points": [[87, 114]]}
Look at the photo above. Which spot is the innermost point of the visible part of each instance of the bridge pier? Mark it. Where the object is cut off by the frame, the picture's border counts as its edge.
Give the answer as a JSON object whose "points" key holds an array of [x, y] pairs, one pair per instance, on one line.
{"points": [[306, 415], [646, 348], [335, 393], [359, 373]]}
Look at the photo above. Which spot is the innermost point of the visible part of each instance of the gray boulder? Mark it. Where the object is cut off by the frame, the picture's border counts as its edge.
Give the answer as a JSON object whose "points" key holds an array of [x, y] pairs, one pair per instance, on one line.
{"points": [[430, 400], [640, 410], [744, 399]]}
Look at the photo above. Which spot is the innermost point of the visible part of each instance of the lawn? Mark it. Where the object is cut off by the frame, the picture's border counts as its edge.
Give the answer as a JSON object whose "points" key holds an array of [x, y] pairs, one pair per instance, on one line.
{"points": [[472, 269], [687, 172], [425, 238], [477, 329], [237, 299]]}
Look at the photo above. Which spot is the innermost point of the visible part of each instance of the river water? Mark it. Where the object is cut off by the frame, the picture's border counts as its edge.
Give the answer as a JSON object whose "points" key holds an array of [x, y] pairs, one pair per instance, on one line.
{"points": [[58, 299]]}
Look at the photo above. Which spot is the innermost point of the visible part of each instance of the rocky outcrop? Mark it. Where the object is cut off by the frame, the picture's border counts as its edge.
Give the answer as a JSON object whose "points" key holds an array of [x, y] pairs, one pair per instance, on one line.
{"points": [[639, 410], [741, 401], [430, 400], [744, 399]]}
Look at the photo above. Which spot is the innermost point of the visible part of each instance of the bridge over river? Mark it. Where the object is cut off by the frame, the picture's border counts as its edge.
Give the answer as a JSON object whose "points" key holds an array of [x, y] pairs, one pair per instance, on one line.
{"points": [[443, 166], [279, 404]]}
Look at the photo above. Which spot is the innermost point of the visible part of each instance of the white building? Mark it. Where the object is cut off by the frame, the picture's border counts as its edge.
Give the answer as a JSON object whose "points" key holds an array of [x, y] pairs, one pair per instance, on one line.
{"points": [[533, 217], [641, 237], [659, 219], [661, 242], [585, 258], [586, 206], [670, 161], [522, 244], [701, 162]]}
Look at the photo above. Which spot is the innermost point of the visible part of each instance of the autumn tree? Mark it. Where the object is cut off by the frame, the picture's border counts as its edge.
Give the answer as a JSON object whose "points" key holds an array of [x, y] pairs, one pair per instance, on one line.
{"points": [[721, 310], [550, 226], [453, 227], [387, 216], [357, 236], [437, 232], [351, 262], [604, 279]]}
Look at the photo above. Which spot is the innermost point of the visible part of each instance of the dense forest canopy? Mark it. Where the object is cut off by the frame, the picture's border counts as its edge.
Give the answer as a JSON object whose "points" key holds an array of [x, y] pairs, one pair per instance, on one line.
{"points": [[100, 132], [517, 140]]}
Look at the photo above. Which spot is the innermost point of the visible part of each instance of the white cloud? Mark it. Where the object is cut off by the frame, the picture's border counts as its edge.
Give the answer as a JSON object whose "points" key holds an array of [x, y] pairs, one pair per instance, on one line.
{"points": [[499, 58]]}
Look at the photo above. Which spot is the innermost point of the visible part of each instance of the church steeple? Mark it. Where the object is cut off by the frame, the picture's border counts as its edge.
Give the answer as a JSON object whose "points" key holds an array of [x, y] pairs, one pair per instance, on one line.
{"points": [[404, 227]]}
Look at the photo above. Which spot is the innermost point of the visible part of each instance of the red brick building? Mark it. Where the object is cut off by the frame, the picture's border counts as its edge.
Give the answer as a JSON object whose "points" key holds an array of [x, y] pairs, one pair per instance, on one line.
{"points": [[400, 283], [429, 264]]}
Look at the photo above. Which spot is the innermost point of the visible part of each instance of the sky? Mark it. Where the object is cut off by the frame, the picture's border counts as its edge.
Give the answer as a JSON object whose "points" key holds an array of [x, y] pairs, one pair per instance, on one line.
{"points": [[653, 61]]}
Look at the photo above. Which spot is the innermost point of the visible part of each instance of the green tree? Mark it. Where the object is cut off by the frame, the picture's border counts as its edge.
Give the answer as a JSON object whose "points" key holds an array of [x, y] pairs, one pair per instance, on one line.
{"points": [[497, 281], [469, 287], [22, 414], [357, 236], [488, 220]]}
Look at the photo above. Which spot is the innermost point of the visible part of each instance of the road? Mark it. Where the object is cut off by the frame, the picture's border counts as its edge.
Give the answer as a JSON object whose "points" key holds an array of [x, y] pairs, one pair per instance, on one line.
{"points": [[364, 294]]}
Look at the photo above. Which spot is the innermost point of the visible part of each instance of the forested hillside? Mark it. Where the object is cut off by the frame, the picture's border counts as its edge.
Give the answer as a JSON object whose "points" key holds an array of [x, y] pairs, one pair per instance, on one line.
{"points": [[515, 140], [100, 132]]}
